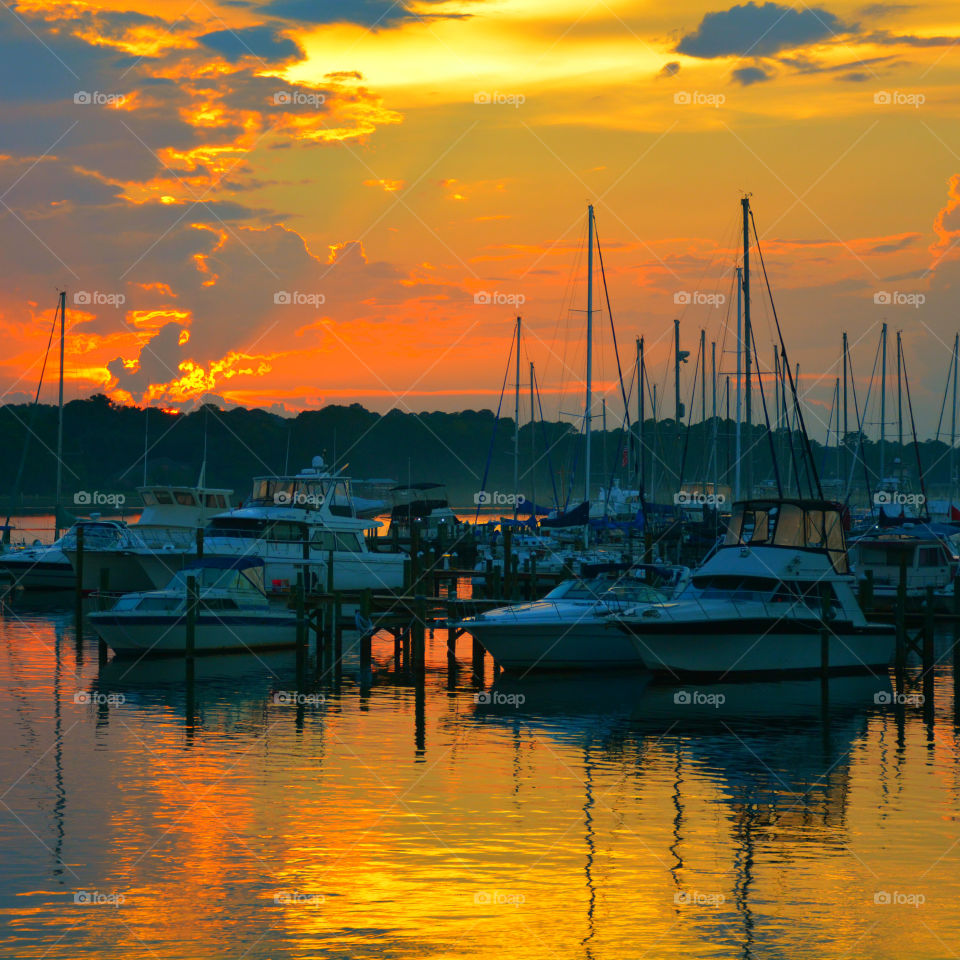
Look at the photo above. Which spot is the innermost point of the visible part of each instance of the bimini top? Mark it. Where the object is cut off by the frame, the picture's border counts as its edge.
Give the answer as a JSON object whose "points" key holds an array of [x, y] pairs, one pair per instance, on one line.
{"points": [[815, 525]]}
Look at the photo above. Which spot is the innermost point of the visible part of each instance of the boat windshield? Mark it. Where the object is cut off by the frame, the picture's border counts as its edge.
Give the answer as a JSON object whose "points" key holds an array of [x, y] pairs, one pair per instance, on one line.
{"points": [[248, 580], [806, 526], [624, 590]]}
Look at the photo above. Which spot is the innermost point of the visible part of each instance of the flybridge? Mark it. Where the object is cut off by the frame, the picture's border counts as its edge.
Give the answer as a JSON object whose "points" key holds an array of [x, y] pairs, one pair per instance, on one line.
{"points": [[792, 524]]}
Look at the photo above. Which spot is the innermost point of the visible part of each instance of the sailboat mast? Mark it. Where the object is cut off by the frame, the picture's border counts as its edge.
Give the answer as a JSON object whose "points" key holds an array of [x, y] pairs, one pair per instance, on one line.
{"points": [[883, 396], [533, 451], [56, 509], [844, 441], [713, 412], [745, 204], [899, 393], [589, 399], [739, 436], [640, 391], [953, 419], [516, 428]]}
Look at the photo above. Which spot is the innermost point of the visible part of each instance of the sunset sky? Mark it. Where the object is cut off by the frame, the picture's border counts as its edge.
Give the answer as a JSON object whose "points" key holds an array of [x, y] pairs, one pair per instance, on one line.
{"points": [[180, 166]]}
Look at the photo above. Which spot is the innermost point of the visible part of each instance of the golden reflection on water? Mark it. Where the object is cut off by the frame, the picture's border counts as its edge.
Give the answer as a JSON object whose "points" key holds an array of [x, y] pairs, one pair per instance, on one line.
{"points": [[598, 818]]}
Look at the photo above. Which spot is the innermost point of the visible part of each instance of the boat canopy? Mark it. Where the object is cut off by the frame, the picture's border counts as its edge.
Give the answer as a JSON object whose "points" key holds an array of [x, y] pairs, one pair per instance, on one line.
{"points": [[793, 524]]}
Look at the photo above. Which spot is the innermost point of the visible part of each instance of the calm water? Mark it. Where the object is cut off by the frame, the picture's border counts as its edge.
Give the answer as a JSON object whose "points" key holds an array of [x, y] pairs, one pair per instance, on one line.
{"points": [[594, 819]]}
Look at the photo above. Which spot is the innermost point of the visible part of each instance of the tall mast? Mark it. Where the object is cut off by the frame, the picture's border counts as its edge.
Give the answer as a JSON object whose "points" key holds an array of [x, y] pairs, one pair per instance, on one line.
{"points": [[703, 376], [56, 509], [713, 412], [745, 204], [146, 440], [899, 392], [883, 397], [953, 419], [516, 428], [845, 452], [739, 437], [640, 391], [653, 457], [836, 406], [533, 451], [589, 399]]}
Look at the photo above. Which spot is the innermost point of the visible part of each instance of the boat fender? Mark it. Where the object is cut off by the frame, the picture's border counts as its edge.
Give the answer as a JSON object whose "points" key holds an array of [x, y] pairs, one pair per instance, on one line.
{"points": [[363, 624]]}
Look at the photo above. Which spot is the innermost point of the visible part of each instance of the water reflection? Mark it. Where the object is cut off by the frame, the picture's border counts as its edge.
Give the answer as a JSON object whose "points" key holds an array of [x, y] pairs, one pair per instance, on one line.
{"points": [[268, 812]]}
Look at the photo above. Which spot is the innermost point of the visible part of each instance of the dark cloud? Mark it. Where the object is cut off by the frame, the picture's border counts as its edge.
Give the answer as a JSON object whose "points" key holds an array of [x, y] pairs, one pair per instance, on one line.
{"points": [[885, 38], [669, 69], [759, 30], [373, 14], [893, 246], [262, 43], [747, 76], [855, 77]]}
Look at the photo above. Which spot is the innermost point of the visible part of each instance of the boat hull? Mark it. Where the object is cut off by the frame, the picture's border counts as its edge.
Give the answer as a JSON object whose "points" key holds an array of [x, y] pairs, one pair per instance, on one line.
{"points": [[35, 574], [557, 645], [131, 634], [760, 648]]}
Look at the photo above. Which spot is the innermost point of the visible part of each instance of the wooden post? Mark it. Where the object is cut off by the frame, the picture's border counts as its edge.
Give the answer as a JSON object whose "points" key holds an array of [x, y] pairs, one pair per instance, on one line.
{"points": [[78, 609], [420, 635], [329, 571], [534, 588], [199, 543], [478, 662], [514, 593], [397, 650], [337, 633], [900, 616], [929, 626], [301, 637], [956, 646], [414, 553], [508, 561], [866, 592], [192, 603], [825, 610], [102, 602]]}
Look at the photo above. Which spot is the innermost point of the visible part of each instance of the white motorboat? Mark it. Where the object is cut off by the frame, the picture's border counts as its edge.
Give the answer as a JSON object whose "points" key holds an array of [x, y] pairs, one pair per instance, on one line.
{"points": [[294, 524], [760, 604], [233, 613], [166, 528], [570, 628], [47, 566]]}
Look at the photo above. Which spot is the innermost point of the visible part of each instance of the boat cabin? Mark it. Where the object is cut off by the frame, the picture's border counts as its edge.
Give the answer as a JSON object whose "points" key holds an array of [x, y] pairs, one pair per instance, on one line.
{"points": [[809, 525], [305, 492], [927, 561]]}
